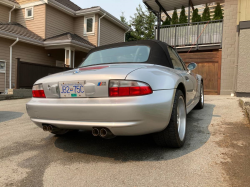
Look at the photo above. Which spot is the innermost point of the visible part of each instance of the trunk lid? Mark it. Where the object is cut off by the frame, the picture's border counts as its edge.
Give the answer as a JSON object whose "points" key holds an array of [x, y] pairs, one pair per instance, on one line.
{"points": [[95, 79]]}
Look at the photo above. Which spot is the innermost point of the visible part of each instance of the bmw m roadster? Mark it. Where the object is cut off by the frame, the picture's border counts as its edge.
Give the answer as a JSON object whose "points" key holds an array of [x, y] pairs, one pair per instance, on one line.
{"points": [[123, 89]]}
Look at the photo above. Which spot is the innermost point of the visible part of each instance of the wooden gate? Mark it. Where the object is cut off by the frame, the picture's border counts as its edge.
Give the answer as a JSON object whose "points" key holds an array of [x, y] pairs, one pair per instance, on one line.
{"points": [[28, 73], [209, 67]]}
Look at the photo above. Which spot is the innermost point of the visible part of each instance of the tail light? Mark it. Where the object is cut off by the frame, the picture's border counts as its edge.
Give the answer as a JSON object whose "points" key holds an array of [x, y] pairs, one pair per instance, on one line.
{"points": [[119, 88], [37, 91]]}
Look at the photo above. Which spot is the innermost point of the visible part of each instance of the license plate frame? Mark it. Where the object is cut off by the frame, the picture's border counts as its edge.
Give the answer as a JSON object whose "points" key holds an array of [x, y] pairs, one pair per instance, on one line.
{"points": [[72, 89]]}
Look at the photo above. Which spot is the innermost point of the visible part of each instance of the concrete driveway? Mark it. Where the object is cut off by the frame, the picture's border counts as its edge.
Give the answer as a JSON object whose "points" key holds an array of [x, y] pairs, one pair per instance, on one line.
{"points": [[216, 152]]}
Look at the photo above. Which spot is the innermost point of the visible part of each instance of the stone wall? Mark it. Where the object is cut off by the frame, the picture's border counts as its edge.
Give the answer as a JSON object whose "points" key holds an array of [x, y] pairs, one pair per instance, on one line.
{"points": [[229, 46], [243, 76]]}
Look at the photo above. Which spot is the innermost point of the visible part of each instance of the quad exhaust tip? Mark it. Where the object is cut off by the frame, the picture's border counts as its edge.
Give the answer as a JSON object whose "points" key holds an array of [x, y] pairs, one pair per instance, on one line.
{"points": [[95, 132], [48, 128], [103, 133]]}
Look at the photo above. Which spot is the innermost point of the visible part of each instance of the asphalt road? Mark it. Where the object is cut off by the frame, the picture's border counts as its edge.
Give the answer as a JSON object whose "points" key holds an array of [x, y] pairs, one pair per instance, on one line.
{"points": [[214, 153]]}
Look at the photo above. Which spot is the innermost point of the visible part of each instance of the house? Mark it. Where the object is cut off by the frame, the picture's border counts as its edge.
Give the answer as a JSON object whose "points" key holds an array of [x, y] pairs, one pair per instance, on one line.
{"points": [[56, 33], [220, 48]]}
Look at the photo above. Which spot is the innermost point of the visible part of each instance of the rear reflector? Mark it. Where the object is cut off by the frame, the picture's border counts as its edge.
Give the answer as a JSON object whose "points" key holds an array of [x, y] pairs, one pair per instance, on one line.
{"points": [[128, 88], [38, 92]]}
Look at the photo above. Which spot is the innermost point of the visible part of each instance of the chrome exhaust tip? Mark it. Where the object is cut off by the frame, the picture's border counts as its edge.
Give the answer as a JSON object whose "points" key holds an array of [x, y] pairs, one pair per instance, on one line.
{"points": [[50, 128], [95, 132], [103, 133], [45, 128], [106, 133]]}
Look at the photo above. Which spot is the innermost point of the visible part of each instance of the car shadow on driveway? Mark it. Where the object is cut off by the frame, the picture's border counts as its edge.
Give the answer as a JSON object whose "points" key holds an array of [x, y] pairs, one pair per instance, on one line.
{"points": [[140, 148], [8, 115]]}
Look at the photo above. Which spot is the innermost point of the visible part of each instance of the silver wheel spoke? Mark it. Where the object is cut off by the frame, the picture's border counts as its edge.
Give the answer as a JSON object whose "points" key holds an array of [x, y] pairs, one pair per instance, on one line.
{"points": [[181, 118]]}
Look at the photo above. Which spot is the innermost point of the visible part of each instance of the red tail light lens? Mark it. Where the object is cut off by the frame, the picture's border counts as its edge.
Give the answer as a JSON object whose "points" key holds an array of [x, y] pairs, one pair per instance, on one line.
{"points": [[128, 88], [38, 92]]}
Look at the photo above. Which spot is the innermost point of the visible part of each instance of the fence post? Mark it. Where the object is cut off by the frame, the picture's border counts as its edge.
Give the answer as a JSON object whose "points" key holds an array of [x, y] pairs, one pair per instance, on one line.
{"points": [[18, 73], [175, 37], [197, 43]]}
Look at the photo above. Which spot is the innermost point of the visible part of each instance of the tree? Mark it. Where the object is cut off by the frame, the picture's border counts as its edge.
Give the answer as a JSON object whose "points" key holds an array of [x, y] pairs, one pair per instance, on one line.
{"points": [[206, 14], [183, 16], [196, 17], [142, 24], [175, 17], [123, 18], [218, 12], [128, 36], [167, 21]]}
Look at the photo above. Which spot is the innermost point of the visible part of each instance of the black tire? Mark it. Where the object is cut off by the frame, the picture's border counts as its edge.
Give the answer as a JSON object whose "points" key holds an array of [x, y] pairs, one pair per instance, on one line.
{"points": [[169, 137], [200, 105]]}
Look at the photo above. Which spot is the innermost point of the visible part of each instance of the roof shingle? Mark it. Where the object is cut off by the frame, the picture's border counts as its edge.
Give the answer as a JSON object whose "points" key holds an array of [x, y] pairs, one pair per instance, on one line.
{"points": [[69, 4], [19, 30], [69, 36]]}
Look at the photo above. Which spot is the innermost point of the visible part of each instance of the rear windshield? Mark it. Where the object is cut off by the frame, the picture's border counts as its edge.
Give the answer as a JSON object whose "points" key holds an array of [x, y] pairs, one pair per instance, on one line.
{"points": [[118, 55]]}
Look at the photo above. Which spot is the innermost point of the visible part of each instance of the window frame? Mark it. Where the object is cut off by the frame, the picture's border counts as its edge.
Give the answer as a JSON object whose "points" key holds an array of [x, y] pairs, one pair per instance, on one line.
{"points": [[182, 62], [26, 12], [4, 70], [178, 57], [85, 25]]}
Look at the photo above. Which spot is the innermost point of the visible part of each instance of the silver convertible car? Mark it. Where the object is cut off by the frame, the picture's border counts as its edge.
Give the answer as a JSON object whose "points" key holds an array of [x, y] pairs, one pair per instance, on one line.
{"points": [[124, 89]]}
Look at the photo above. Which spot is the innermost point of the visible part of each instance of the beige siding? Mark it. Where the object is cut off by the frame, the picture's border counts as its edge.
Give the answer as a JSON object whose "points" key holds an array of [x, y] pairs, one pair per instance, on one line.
{"points": [[36, 25], [2, 84], [79, 29], [243, 9], [4, 14], [27, 53], [58, 22], [110, 33]]}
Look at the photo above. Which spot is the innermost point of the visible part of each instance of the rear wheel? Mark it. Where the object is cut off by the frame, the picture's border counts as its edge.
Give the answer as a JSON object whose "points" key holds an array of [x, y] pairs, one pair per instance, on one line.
{"points": [[175, 134], [200, 105]]}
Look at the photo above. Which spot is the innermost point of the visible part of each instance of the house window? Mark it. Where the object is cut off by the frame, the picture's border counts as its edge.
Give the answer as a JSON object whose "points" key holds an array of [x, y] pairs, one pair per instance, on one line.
{"points": [[89, 25], [29, 13]]}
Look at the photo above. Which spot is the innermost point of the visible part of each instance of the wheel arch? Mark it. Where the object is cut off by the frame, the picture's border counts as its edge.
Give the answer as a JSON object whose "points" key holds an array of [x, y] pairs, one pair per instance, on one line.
{"points": [[182, 88]]}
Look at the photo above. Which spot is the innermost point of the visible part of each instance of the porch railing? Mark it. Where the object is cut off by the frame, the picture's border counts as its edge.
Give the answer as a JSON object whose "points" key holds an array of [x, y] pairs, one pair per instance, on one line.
{"points": [[193, 34]]}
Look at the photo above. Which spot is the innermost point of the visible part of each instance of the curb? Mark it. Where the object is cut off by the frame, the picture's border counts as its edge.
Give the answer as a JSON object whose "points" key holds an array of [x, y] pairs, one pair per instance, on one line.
{"points": [[245, 106]]}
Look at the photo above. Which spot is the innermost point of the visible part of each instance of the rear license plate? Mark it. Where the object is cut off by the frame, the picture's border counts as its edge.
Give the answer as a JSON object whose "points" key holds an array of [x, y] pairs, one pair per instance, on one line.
{"points": [[72, 89]]}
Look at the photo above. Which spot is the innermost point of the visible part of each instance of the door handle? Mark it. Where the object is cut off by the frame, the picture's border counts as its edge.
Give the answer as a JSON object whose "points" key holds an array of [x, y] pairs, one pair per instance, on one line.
{"points": [[186, 78]]}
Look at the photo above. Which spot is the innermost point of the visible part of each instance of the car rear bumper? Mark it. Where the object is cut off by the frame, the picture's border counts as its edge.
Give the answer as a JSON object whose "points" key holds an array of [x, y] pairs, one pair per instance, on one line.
{"points": [[124, 116]]}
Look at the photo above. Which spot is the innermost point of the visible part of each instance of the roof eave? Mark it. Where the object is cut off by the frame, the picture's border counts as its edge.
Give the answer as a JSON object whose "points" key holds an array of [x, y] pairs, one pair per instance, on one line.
{"points": [[21, 38], [61, 7], [9, 3], [101, 11], [68, 42]]}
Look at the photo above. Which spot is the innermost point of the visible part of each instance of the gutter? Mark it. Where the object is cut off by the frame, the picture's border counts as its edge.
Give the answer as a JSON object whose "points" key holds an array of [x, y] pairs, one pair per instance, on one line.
{"points": [[125, 34], [11, 12], [11, 61], [99, 29]]}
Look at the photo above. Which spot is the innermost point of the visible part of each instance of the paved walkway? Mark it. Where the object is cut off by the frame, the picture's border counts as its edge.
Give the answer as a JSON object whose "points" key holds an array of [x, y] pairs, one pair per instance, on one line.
{"points": [[216, 152]]}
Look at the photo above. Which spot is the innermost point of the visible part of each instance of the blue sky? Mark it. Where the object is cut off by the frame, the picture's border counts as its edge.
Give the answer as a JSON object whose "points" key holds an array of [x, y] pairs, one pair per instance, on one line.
{"points": [[115, 7]]}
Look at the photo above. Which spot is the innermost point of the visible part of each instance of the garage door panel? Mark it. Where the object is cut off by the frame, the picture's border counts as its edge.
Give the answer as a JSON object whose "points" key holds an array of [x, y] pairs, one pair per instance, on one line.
{"points": [[208, 67]]}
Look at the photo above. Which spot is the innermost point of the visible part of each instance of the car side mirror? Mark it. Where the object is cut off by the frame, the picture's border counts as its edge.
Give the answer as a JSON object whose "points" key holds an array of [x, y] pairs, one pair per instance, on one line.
{"points": [[191, 66]]}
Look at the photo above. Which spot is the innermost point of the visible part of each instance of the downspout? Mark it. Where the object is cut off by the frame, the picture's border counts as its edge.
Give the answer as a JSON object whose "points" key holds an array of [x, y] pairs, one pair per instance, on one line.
{"points": [[11, 61], [125, 34], [11, 12], [99, 29]]}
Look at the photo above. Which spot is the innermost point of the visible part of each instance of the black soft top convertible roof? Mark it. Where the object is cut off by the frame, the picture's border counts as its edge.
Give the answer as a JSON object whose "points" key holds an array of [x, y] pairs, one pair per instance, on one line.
{"points": [[158, 55]]}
